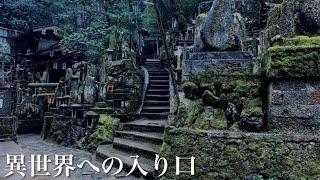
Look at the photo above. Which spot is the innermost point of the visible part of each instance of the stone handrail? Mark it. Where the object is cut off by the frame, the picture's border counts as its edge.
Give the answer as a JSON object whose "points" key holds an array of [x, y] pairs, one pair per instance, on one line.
{"points": [[144, 88], [174, 92]]}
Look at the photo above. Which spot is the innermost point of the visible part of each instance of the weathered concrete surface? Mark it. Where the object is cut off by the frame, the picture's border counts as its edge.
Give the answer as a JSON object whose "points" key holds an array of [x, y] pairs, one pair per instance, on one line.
{"points": [[33, 144]]}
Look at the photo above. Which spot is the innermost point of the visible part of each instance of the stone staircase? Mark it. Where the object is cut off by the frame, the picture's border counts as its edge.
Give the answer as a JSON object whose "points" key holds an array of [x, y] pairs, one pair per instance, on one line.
{"points": [[144, 136]]}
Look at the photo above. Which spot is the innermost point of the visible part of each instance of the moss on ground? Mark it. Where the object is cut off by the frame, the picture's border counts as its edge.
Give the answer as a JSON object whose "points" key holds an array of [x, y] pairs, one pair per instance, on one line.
{"points": [[103, 132]]}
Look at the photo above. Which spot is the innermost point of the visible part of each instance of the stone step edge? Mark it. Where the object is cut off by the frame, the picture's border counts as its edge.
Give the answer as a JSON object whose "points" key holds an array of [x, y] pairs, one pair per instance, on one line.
{"points": [[125, 158], [136, 146], [140, 135]]}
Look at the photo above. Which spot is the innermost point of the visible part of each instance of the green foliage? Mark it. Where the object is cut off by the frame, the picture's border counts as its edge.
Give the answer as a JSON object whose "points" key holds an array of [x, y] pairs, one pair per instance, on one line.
{"points": [[196, 110], [104, 132], [26, 14], [59, 131], [108, 28]]}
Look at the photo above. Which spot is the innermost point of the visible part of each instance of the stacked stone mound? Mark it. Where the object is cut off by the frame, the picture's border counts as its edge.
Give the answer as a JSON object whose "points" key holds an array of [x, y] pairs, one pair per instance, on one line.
{"points": [[221, 29]]}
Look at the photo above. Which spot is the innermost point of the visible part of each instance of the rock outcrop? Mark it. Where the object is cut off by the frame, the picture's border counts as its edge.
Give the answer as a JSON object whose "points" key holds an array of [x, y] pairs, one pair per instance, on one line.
{"points": [[295, 18], [309, 17], [198, 44], [222, 29]]}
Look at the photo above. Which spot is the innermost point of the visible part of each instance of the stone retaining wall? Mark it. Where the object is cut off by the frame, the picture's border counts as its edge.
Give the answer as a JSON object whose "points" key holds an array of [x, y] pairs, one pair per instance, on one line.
{"points": [[236, 155], [295, 106], [199, 62]]}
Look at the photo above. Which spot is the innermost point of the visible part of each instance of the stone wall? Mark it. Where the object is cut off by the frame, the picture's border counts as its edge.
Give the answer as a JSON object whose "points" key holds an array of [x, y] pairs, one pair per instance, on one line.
{"points": [[236, 155], [199, 62], [292, 67], [295, 106]]}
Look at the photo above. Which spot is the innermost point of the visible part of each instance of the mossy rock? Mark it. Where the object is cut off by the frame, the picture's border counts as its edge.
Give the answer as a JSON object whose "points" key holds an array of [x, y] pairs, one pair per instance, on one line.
{"points": [[103, 132], [252, 112], [220, 120], [190, 90], [281, 20], [195, 112], [209, 98]]}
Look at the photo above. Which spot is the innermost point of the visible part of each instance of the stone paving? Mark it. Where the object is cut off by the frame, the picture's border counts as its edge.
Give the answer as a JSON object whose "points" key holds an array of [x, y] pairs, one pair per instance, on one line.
{"points": [[33, 144]]}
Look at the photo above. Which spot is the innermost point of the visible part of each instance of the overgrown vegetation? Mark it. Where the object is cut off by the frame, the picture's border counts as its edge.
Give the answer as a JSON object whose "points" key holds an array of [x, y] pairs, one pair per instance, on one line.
{"points": [[103, 132]]}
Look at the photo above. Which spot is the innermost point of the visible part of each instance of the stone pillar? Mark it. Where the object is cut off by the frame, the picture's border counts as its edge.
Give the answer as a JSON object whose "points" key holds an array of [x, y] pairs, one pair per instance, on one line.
{"points": [[178, 54], [184, 55]]}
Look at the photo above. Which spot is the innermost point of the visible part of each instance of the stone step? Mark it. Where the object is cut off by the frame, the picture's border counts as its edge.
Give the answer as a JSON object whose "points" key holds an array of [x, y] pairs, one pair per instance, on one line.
{"points": [[153, 137], [138, 147], [107, 150], [157, 103], [144, 125], [3, 139], [158, 73], [156, 109], [157, 97], [159, 82], [150, 115], [153, 60], [159, 78], [157, 91], [154, 86], [152, 64], [155, 69]]}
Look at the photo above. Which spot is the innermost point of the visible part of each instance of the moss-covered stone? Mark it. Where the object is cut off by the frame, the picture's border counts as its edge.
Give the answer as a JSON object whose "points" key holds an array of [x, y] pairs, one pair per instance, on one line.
{"points": [[281, 19], [299, 60], [104, 132], [190, 89], [229, 155], [195, 112], [209, 98], [59, 131]]}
